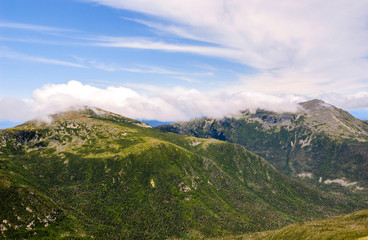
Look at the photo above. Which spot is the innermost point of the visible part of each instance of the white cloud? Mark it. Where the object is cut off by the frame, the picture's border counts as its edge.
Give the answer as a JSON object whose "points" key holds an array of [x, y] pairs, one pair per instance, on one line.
{"points": [[164, 105], [13, 109], [353, 101], [59, 97], [301, 47]]}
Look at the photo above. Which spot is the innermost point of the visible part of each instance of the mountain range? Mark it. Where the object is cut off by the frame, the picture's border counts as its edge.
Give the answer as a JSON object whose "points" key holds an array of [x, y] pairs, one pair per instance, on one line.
{"points": [[88, 173], [318, 144]]}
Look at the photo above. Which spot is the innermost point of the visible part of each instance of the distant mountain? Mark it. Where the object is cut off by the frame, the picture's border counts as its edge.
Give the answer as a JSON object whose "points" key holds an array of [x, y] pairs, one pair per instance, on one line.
{"points": [[320, 144], [91, 173], [155, 123]]}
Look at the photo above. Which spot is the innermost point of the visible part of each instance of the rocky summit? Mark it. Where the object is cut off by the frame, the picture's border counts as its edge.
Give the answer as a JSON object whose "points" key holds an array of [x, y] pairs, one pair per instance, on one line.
{"points": [[89, 173]]}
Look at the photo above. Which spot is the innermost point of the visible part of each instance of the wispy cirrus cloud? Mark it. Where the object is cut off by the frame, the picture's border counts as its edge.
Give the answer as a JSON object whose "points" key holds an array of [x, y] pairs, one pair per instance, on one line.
{"points": [[6, 53], [150, 44], [144, 69], [118, 42], [85, 63], [188, 79], [33, 27]]}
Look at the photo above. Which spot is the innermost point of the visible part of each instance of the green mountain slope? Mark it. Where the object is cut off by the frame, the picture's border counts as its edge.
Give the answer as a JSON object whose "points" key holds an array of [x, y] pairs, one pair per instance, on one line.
{"points": [[345, 227], [91, 173], [320, 144]]}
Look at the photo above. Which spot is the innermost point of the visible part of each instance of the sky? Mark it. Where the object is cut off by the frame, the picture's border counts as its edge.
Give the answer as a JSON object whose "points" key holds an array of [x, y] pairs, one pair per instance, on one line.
{"points": [[172, 60]]}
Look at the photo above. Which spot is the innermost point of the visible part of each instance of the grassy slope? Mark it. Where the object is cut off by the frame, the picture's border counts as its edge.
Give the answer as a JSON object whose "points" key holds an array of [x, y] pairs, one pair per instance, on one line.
{"points": [[351, 226], [104, 176]]}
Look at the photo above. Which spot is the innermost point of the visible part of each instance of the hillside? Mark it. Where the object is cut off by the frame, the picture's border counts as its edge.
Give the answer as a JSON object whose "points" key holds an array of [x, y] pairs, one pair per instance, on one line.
{"points": [[352, 226], [319, 144], [91, 173]]}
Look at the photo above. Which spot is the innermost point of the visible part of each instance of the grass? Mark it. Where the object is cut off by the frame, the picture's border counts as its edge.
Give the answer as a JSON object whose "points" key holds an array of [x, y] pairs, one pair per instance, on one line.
{"points": [[351, 226]]}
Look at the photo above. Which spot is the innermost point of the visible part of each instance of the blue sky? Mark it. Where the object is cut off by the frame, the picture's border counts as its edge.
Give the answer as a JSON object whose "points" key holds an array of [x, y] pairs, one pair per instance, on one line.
{"points": [[66, 31], [173, 60]]}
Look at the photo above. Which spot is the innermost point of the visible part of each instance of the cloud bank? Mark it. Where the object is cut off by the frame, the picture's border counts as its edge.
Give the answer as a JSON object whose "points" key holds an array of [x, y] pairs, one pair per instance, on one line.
{"points": [[167, 105], [173, 104]]}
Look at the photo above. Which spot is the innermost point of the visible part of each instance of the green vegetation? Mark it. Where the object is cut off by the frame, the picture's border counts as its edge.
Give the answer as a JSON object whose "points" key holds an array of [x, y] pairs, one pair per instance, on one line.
{"points": [[99, 175], [351, 226]]}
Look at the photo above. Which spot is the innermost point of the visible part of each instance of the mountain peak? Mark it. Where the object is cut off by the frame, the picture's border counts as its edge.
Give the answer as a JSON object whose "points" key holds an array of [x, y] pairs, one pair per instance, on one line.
{"points": [[332, 120], [315, 105], [95, 112], [82, 113]]}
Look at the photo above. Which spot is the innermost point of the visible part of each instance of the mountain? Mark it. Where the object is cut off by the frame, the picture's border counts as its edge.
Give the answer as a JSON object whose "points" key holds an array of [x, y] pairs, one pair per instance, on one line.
{"points": [[155, 123], [88, 173], [350, 226], [319, 144]]}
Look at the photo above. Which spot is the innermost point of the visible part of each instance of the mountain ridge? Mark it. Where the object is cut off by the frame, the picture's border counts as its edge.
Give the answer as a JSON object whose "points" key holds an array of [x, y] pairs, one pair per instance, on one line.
{"points": [[320, 144]]}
